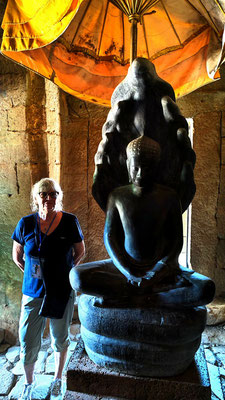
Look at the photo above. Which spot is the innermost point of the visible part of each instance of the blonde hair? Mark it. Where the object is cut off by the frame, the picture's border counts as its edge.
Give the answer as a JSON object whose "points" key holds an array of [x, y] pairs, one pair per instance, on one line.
{"points": [[45, 185]]}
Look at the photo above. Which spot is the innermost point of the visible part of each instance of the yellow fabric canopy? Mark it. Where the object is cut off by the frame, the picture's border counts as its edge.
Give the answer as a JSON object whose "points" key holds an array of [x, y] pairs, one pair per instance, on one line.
{"points": [[83, 45]]}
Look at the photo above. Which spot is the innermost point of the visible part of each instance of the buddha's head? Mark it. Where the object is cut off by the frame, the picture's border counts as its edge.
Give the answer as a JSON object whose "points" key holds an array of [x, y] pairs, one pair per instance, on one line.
{"points": [[143, 156]]}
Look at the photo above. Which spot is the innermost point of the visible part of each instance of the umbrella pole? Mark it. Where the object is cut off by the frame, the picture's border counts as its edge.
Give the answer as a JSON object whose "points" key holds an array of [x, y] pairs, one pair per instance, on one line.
{"points": [[133, 45]]}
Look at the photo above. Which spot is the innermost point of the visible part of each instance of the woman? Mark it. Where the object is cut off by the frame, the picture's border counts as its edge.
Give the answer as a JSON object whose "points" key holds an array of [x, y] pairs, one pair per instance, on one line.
{"points": [[51, 243]]}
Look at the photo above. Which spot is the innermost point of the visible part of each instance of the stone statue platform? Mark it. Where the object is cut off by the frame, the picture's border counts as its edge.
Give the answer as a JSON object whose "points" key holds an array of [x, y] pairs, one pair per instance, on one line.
{"points": [[86, 380]]}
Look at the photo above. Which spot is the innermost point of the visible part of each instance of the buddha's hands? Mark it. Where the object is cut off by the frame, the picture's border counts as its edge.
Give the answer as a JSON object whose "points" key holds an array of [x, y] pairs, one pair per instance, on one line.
{"points": [[144, 281]]}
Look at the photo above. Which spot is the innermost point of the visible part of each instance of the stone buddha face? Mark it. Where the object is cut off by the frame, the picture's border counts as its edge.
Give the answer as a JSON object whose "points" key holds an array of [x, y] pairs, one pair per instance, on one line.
{"points": [[139, 171], [143, 155]]}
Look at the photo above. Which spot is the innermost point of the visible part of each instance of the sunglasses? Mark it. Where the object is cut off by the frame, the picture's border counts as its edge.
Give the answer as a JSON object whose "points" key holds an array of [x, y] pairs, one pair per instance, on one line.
{"points": [[44, 195]]}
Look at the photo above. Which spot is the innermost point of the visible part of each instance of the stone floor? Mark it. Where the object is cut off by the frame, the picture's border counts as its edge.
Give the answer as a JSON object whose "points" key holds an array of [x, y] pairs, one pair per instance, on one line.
{"points": [[11, 378], [11, 370]]}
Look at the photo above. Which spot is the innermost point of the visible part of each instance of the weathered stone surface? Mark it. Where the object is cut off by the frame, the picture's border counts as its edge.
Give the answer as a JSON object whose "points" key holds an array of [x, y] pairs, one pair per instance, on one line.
{"points": [[13, 155], [223, 150], [201, 101], [222, 180], [13, 89], [42, 387], [4, 121], [16, 118], [6, 382], [205, 99], [219, 275], [4, 347], [219, 348], [83, 396], [13, 354], [215, 335], [215, 381], [40, 363], [74, 331], [210, 357], [96, 247], [207, 172], [84, 376], [18, 368], [220, 216], [221, 358], [223, 124], [3, 360], [50, 364], [71, 349], [216, 312], [2, 334], [40, 391]]}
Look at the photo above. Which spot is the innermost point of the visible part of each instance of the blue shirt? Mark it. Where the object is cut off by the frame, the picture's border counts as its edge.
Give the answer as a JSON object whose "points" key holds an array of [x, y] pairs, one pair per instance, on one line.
{"points": [[55, 253]]}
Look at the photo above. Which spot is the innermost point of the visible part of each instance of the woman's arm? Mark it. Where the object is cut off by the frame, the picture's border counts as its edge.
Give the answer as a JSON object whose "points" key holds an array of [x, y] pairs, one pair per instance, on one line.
{"points": [[17, 255], [79, 252]]}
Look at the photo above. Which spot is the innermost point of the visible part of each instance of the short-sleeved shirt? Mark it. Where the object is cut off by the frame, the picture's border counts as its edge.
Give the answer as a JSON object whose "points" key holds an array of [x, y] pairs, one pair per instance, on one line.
{"points": [[55, 254]]}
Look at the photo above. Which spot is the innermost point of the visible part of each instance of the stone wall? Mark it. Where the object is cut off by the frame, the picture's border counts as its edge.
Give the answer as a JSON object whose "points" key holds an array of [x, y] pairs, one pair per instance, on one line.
{"points": [[45, 131], [81, 125], [14, 188], [206, 107]]}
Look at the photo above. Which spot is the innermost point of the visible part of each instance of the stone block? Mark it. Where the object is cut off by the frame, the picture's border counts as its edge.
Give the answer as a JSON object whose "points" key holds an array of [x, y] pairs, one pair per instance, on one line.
{"points": [[204, 206], [76, 108], [203, 100], [13, 354], [13, 90], [215, 381], [96, 248], [221, 359], [210, 357], [18, 368], [74, 151], [17, 119], [219, 279], [83, 376], [41, 389], [216, 312], [2, 334], [75, 201], [219, 349], [223, 125], [223, 150], [221, 254], [6, 382], [220, 216], [4, 347], [83, 396], [52, 122], [222, 180], [74, 331], [215, 335], [40, 363], [4, 120], [50, 364], [52, 94]]}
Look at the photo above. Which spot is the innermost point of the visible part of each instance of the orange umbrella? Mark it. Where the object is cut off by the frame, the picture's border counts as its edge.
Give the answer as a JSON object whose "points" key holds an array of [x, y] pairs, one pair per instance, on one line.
{"points": [[84, 45]]}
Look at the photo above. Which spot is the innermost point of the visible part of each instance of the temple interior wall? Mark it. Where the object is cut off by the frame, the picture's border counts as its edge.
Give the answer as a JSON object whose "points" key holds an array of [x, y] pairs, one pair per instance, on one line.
{"points": [[46, 132]]}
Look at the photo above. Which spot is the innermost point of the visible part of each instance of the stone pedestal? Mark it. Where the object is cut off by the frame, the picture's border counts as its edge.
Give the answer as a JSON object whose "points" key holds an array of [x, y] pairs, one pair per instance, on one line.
{"points": [[141, 341], [87, 381]]}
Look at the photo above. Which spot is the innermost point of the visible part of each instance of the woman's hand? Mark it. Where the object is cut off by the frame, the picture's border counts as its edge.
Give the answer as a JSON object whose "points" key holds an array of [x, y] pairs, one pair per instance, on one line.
{"points": [[79, 252]]}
